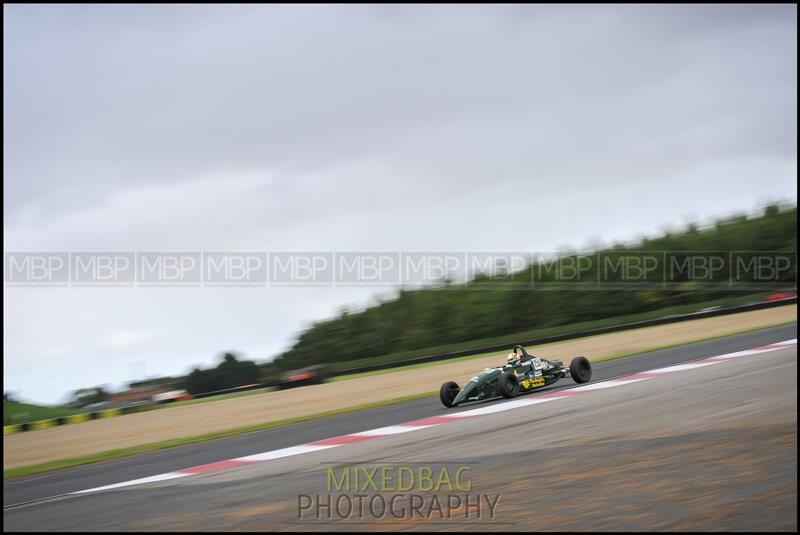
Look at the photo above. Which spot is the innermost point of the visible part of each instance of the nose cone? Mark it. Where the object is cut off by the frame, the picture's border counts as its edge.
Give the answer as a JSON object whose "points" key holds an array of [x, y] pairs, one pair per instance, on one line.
{"points": [[465, 393]]}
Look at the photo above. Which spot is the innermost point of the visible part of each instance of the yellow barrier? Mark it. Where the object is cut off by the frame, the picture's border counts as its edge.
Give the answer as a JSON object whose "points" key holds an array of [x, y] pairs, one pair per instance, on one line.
{"points": [[72, 419], [43, 424], [77, 418], [12, 429]]}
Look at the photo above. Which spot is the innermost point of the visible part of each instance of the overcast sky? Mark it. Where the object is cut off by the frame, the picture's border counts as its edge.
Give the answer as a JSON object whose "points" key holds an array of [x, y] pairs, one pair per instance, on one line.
{"points": [[359, 128]]}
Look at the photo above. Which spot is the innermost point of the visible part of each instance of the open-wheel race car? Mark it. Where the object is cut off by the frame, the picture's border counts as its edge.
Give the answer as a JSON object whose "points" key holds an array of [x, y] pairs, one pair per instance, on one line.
{"points": [[522, 373]]}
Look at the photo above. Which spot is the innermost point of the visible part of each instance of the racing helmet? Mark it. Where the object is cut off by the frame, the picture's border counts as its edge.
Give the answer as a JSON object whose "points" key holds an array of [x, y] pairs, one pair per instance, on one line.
{"points": [[512, 358]]}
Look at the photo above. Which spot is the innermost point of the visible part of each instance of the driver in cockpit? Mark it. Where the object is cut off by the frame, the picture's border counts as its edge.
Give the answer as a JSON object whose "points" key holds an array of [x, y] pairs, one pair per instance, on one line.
{"points": [[519, 356], [516, 357]]}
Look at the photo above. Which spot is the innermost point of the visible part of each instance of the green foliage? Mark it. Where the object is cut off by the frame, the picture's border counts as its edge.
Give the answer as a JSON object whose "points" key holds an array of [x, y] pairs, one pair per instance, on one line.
{"points": [[86, 396], [532, 298], [542, 332], [229, 373]]}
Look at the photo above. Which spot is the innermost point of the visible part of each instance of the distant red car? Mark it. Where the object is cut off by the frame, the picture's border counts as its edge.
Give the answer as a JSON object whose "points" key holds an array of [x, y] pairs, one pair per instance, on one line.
{"points": [[780, 296], [172, 396], [313, 375]]}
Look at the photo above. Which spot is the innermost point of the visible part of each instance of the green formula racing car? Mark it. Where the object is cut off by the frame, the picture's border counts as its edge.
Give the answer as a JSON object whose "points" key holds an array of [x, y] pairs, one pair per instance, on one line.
{"points": [[522, 373]]}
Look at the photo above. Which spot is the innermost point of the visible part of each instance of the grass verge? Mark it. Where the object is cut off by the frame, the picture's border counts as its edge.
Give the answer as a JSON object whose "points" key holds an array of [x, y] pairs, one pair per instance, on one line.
{"points": [[61, 464]]}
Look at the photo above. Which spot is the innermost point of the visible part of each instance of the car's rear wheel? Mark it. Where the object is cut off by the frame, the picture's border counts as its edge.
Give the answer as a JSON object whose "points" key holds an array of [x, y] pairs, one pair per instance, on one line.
{"points": [[508, 385], [448, 393], [580, 369]]}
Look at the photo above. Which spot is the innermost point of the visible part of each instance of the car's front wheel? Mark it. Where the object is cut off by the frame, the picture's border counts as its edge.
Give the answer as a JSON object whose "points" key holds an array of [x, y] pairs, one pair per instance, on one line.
{"points": [[448, 393], [580, 369], [508, 385]]}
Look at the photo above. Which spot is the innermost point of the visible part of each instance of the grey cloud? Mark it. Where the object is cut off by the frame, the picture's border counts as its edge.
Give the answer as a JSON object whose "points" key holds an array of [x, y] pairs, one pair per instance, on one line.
{"points": [[104, 96]]}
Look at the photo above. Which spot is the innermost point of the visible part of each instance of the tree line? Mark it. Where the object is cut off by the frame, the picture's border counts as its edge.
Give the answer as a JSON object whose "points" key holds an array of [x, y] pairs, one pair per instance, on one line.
{"points": [[533, 297]]}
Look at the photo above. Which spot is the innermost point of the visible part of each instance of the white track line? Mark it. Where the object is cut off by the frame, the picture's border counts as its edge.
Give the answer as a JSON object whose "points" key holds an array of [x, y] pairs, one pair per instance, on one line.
{"points": [[151, 479], [391, 430], [683, 367], [279, 454], [611, 383]]}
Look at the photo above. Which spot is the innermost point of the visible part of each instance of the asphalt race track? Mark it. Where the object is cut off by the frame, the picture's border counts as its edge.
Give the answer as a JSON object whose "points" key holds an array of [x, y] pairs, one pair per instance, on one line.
{"points": [[707, 448]]}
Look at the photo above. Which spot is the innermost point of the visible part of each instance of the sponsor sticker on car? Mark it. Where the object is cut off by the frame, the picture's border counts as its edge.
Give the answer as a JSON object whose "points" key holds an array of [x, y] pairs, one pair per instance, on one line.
{"points": [[532, 383]]}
